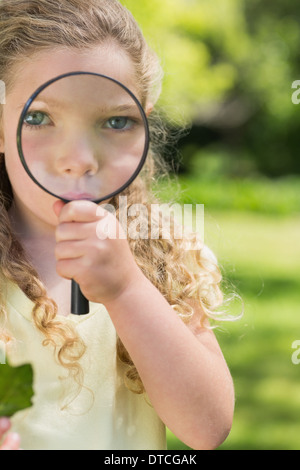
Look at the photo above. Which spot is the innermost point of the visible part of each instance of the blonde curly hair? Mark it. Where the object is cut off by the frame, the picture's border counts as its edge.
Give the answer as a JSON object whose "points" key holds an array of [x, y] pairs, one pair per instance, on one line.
{"points": [[28, 26]]}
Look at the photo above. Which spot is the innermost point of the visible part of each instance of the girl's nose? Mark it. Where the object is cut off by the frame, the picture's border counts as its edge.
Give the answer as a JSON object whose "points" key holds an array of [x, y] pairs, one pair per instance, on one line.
{"points": [[77, 158]]}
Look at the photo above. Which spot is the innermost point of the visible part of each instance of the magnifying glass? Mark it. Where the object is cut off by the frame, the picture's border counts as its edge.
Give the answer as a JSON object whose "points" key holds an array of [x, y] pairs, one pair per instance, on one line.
{"points": [[83, 136]]}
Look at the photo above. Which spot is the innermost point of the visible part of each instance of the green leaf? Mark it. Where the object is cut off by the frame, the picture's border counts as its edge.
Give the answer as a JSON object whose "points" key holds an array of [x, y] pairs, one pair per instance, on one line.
{"points": [[16, 388]]}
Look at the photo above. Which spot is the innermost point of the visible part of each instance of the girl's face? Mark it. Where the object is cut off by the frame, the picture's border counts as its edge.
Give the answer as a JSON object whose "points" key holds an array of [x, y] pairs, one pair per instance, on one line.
{"points": [[32, 202]]}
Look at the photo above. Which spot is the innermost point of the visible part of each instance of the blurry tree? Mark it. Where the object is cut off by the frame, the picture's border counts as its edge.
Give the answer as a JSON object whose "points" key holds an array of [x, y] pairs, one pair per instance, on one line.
{"points": [[229, 68]]}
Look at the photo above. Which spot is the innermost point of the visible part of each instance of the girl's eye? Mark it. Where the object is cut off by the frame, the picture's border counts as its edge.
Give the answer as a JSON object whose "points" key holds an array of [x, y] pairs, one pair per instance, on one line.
{"points": [[36, 119], [119, 123]]}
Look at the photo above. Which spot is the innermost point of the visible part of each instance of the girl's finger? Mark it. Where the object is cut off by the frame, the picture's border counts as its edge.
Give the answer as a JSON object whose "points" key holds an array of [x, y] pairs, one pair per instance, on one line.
{"points": [[69, 268], [69, 250], [11, 442], [80, 211], [57, 207], [70, 231], [4, 425]]}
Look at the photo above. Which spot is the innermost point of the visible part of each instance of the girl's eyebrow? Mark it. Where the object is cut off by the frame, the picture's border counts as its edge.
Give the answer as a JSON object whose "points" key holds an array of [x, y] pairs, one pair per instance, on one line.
{"points": [[52, 103], [125, 107], [130, 107], [47, 102]]}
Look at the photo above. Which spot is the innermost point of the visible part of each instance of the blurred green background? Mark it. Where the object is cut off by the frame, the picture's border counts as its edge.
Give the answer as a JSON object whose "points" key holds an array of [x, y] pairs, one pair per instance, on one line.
{"points": [[229, 70]]}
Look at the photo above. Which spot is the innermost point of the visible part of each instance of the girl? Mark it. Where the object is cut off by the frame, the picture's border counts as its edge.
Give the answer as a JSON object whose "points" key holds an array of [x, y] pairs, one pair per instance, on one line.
{"points": [[144, 357]]}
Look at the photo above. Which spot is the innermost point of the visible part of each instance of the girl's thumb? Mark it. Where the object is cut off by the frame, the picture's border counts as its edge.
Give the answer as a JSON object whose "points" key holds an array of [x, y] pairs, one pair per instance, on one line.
{"points": [[57, 207]]}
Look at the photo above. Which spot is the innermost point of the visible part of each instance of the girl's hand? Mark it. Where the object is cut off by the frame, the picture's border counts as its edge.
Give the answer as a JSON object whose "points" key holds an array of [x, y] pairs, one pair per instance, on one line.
{"points": [[103, 267], [12, 440]]}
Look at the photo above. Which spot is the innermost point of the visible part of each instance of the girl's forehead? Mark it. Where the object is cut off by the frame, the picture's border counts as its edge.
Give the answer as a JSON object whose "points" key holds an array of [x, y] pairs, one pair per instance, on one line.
{"points": [[41, 67]]}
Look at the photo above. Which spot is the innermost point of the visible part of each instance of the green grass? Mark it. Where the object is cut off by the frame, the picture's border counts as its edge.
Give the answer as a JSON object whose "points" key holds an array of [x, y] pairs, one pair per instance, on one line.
{"points": [[258, 195], [260, 255]]}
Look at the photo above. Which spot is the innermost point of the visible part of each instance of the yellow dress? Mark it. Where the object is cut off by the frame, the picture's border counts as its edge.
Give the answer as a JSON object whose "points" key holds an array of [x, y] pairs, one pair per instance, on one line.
{"points": [[105, 415]]}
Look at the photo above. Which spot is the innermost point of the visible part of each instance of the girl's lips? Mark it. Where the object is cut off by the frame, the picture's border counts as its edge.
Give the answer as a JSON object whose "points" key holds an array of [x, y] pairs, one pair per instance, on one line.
{"points": [[73, 196]]}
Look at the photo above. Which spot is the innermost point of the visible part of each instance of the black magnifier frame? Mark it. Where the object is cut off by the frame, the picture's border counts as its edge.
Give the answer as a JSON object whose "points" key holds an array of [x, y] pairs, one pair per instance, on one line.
{"points": [[79, 304], [60, 77]]}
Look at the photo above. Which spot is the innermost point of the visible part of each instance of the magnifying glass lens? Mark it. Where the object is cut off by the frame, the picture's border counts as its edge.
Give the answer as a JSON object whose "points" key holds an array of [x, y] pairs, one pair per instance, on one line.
{"points": [[83, 136]]}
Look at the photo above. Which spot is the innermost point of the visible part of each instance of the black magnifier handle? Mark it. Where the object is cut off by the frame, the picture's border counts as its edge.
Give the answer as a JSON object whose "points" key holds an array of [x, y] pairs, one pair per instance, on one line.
{"points": [[79, 304]]}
